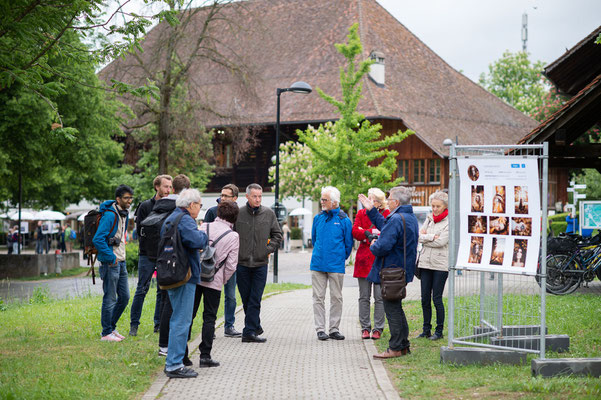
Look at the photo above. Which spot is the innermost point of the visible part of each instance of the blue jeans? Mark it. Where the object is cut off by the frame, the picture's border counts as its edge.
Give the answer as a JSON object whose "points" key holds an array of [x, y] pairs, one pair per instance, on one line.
{"points": [[229, 305], [116, 295], [432, 285], [182, 301], [397, 324], [251, 283], [145, 270], [39, 245]]}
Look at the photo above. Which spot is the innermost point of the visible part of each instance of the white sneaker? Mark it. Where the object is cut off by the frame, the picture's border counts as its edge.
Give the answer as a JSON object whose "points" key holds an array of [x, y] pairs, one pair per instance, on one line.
{"points": [[162, 351], [120, 336], [110, 338]]}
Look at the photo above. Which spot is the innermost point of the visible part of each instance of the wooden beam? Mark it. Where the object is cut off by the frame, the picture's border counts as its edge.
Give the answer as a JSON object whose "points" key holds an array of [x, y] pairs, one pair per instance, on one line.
{"points": [[591, 150]]}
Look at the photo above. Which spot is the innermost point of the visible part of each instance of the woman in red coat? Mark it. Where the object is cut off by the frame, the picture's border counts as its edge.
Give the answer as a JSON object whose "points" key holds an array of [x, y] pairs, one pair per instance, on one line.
{"points": [[364, 232]]}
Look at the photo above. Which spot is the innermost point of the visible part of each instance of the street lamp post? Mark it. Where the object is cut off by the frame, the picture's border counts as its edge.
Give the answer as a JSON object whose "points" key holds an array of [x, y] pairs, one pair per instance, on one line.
{"points": [[297, 87]]}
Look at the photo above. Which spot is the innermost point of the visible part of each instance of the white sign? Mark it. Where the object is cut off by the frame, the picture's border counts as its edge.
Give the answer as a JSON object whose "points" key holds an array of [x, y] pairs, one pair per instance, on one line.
{"points": [[499, 215]]}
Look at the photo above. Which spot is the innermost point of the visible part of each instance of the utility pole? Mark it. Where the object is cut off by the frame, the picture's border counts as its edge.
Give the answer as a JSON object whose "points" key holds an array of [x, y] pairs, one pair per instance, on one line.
{"points": [[524, 31]]}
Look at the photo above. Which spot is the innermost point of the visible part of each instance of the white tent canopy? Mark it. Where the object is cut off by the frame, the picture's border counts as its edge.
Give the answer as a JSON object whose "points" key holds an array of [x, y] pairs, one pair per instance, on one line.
{"points": [[49, 215], [300, 211], [25, 216]]}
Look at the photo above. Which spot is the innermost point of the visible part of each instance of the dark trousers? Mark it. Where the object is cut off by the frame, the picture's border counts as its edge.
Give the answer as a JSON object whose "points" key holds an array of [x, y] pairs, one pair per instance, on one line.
{"points": [[397, 323], [146, 269], [251, 284], [210, 305], [432, 284], [165, 318]]}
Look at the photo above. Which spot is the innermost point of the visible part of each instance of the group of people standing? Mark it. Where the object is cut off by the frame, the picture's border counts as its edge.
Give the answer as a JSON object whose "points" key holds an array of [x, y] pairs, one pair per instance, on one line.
{"points": [[389, 235], [386, 227]]}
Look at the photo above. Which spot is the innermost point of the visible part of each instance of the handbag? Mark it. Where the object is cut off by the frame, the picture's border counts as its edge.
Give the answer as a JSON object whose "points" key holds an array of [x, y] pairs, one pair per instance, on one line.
{"points": [[393, 282], [418, 270]]}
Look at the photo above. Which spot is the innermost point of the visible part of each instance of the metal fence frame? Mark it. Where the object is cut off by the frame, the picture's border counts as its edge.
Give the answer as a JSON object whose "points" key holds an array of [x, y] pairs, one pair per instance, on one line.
{"points": [[538, 151]]}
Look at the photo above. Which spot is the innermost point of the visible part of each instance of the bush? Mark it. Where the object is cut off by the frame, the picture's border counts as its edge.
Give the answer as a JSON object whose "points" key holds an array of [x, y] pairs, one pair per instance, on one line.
{"points": [[131, 256], [295, 233], [558, 227]]}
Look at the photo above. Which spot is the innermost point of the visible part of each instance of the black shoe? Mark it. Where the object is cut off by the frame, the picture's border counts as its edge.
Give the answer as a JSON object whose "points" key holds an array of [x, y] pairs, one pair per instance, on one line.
{"points": [[157, 328], [253, 339], [187, 362], [133, 330], [259, 331], [424, 335], [207, 363], [336, 336], [231, 332], [321, 335], [182, 372], [436, 336]]}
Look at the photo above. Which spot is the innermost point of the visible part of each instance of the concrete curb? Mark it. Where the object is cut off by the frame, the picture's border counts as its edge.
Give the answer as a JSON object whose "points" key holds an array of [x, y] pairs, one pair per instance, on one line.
{"points": [[380, 372]]}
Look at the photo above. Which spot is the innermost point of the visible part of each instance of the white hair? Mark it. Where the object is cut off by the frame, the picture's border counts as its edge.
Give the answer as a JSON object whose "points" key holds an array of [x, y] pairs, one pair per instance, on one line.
{"points": [[402, 194], [379, 195], [441, 196], [333, 192], [187, 197]]}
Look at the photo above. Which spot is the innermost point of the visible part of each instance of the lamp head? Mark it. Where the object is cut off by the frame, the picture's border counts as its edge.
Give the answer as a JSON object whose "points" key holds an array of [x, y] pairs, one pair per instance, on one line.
{"points": [[300, 87]]}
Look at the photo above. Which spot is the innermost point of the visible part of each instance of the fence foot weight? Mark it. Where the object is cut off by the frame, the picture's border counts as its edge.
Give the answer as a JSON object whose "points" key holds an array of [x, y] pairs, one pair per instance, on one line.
{"points": [[483, 356], [566, 366]]}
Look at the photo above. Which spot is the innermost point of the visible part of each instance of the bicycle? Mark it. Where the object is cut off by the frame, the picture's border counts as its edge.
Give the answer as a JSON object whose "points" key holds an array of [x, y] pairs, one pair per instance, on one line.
{"points": [[571, 259]]}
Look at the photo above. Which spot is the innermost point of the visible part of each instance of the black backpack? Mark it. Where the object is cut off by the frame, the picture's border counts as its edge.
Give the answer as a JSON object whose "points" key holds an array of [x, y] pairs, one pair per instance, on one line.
{"points": [[173, 266], [90, 226], [150, 230], [208, 262]]}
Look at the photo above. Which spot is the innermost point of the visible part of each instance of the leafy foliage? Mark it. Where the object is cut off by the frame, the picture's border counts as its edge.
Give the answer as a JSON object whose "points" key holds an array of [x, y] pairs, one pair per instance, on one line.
{"points": [[59, 165], [352, 153], [516, 80]]}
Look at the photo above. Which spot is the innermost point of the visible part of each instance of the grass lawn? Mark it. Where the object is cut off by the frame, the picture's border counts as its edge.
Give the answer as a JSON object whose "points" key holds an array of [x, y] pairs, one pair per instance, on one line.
{"points": [[421, 375], [51, 349], [65, 274]]}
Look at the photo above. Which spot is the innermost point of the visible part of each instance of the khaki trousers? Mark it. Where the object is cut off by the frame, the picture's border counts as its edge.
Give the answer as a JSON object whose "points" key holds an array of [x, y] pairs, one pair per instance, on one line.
{"points": [[320, 282]]}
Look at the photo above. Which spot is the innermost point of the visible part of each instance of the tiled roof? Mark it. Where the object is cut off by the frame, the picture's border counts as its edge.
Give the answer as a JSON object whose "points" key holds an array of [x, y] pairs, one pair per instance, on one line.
{"points": [[283, 41]]}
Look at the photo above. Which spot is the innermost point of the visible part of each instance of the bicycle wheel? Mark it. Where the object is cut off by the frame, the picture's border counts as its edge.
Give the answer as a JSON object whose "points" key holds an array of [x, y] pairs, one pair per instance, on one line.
{"points": [[558, 281]]}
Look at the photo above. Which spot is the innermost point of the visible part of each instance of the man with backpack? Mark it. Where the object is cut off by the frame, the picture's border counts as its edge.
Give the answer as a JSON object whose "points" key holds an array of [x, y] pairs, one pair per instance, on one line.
{"points": [[146, 256], [332, 245], [228, 193], [109, 241]]}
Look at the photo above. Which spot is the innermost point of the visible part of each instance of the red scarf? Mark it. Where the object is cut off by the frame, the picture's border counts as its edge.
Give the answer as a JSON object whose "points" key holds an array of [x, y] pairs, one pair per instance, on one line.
{"points": [[441, 216]]}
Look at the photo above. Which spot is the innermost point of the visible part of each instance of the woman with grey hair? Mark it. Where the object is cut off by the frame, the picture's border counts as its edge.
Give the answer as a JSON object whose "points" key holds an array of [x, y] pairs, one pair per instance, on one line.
{"points": [[433, 262]]}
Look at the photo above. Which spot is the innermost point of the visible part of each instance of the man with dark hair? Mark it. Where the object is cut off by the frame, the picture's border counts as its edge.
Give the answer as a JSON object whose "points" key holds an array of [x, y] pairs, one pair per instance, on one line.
{"points": [[180, 182], [228, 193], [146, 267], [109, 240], [260, 235]]}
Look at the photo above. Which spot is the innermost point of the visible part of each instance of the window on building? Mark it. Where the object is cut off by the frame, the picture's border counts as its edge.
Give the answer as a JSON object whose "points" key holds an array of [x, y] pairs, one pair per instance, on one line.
{"points": [[419, 171], [403, 171], [434, 171], [223, 155]]}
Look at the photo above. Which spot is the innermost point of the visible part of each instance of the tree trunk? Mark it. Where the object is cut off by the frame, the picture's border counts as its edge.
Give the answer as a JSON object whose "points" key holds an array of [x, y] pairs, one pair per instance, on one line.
{"points": [[164, 131]]}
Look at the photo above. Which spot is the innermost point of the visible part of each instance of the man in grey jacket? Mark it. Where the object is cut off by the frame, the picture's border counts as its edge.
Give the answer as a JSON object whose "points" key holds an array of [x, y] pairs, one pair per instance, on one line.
{"points": [[260, 235]]}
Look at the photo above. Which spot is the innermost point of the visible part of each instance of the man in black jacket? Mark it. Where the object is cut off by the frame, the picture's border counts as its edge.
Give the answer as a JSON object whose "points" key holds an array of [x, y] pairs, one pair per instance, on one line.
{"points": [[230, 193], [146, 267]]}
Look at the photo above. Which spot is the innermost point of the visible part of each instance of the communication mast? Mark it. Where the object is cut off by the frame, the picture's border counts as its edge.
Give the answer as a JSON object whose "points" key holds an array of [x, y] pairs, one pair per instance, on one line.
{"points": [[524, 31]]}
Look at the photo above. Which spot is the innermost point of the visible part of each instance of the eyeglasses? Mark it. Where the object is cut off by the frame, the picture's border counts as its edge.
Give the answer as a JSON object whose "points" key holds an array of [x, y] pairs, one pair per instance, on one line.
{"points": [[227, 196], [127, 198], [324, 200]]}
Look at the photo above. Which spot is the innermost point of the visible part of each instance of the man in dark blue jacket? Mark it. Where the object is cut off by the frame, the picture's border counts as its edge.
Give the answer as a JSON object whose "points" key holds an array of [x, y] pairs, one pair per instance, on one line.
{"points": [[109, 240], [395, 247], [181, 298], [332, 245]]}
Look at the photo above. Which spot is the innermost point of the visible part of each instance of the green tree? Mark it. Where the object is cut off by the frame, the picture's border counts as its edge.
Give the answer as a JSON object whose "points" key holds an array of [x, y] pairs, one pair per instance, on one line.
{"points": [[353, 155], [517, 81], [60, 165]]}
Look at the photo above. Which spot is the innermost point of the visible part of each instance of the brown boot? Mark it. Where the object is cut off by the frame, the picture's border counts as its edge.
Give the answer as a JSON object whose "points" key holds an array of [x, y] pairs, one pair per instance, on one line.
{"points": [[392, 354]]}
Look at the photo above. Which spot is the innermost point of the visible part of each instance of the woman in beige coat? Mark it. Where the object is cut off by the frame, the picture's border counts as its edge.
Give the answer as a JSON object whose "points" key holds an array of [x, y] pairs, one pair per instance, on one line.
{"points": [[433, 262]]}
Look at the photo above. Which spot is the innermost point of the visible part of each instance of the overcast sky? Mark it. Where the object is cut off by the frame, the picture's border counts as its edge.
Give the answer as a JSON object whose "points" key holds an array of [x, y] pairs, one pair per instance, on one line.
{"points": [[471, 34]]}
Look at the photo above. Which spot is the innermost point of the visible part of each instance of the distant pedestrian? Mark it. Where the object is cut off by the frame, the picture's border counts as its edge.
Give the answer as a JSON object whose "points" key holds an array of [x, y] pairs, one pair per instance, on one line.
{"points": [[332, 245], [109, 240], [68, 239], [286, 233], [40, 238]]}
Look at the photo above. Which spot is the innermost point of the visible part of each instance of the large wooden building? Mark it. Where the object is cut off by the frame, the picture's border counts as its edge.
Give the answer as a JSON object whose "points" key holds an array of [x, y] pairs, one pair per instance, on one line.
{"points": [[284, 41]]}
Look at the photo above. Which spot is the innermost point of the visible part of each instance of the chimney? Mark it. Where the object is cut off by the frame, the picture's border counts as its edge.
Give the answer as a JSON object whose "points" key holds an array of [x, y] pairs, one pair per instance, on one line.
{"points": [[376, 71]]}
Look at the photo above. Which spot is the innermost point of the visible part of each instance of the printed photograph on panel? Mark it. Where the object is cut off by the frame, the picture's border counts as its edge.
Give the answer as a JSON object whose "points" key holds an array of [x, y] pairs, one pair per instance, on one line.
{"points": [[473, 172], [521, 199], [521, 226], [519, 253], [478, 198], [498, 251], [498, 201], [499, 226], [476, 250], [476, 224]]}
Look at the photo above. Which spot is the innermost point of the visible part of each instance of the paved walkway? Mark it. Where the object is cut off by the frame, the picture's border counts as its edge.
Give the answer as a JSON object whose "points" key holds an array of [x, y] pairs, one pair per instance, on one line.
{"points": [[292, 364]]}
